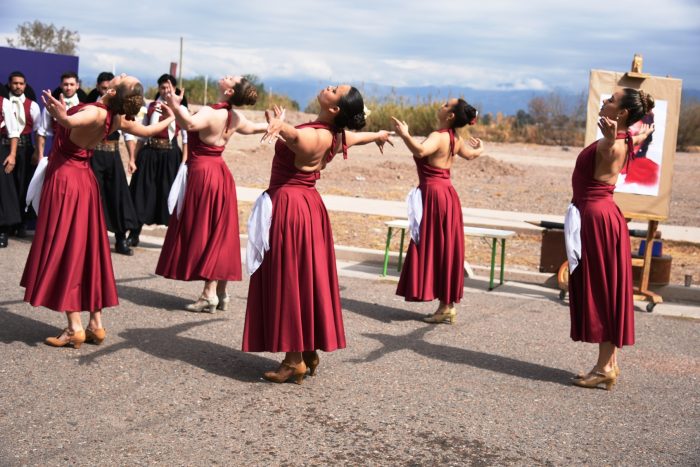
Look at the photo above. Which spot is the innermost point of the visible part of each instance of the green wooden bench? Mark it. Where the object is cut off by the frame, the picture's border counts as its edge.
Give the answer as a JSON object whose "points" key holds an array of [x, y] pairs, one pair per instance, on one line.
{"points": [[493, 234]]}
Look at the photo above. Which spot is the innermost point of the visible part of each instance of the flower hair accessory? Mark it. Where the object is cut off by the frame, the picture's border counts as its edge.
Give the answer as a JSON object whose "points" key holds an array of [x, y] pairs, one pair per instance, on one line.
{"points": [[473, 120], [367, 112]]}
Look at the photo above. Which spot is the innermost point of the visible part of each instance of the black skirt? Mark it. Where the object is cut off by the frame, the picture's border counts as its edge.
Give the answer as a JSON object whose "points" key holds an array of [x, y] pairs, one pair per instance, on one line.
{"points": [[9, 202], [156, 170], [120, 214]]}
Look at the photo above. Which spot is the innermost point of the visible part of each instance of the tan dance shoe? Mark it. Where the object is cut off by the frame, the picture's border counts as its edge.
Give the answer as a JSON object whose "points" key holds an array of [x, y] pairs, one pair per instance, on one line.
{"points": [[95, 336], [595, 379], [448, 316], [581, 374], [311, 360], [224, 300], [206, 304], [287, 371], [74, 338]]}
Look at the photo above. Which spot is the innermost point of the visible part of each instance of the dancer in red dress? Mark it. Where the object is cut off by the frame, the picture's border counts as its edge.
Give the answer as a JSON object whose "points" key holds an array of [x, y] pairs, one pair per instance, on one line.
{"points": [[293, 299], [434, 267], [600, 265], [202, 241], [69, 267]]}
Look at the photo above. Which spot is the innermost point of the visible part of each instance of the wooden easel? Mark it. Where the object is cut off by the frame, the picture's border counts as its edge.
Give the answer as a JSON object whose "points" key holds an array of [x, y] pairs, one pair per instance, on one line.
{"points": [[642, 292]]}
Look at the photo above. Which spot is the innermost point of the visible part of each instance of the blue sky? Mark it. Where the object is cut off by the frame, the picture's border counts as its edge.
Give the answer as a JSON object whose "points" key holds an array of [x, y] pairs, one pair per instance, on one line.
{"points": [[486, 45]]}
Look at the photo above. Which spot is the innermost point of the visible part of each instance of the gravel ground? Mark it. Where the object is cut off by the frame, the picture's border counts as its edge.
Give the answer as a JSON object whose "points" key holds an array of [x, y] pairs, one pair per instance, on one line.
{"points": [[171, 388]]}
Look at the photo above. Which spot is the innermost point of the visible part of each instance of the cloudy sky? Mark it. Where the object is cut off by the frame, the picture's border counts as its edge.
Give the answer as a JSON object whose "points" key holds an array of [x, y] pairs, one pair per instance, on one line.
{"points": [[534, 44]]}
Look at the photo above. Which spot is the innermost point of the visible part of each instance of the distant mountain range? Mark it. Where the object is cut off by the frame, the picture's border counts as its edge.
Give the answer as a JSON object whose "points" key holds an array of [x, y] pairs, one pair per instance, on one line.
{"points": [[487, 101], [506, 101]]}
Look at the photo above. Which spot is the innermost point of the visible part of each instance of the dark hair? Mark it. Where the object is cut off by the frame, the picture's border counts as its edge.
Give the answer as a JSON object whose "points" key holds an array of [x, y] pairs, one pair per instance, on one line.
{"points": [[16, 74], [127, 101], [105, 76], [244, 93], [352, 111], [167, 77], [464, 114], [637, 103], [70, 74]]}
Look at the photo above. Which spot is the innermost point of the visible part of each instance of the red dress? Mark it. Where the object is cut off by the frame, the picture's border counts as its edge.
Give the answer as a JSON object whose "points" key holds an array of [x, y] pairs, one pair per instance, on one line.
{"points": [[69, 267], [293, 299], [204, 243], [600, 288], [434, 268]]}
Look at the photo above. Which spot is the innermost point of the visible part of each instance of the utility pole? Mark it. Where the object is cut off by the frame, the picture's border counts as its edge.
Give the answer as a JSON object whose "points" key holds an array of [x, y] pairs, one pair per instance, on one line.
{"points": [[206, 82], [179, 75]]}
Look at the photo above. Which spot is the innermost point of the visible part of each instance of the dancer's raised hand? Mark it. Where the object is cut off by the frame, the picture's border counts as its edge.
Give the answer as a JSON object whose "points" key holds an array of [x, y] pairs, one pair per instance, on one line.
{"points": [[383, 138], [400, 127], [608, 127], [171, 96], [55, 107]]}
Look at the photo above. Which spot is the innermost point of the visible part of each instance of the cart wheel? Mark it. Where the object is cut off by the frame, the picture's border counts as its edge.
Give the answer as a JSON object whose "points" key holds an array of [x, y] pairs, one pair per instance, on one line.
{"points": [[650, 307], [562, 294]]}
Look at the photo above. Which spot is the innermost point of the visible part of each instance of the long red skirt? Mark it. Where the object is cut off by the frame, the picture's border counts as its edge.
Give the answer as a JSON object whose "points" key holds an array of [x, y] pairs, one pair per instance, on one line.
{"points": [[293, 299], [434, 268], [204, 244], [601, 295], [69, 267]]}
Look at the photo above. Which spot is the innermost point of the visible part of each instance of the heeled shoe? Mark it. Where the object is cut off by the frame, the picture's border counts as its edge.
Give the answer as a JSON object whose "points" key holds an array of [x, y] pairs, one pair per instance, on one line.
{"points": [[616, 370], [206, 304], [75, 338], [224, 300], [593, 380], [287, 371], [95, 336], [447, 316], [311, 361]]}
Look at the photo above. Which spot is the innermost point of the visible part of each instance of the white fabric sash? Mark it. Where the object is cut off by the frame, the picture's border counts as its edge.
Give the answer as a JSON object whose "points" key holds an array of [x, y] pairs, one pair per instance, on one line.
{"points": [[414, 200], [176, 197], [258, 232], [35, 185], [572, 236]]}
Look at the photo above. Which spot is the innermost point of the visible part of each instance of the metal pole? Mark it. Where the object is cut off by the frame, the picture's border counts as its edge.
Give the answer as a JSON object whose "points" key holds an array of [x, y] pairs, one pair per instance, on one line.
{"points": [[179, 73]]}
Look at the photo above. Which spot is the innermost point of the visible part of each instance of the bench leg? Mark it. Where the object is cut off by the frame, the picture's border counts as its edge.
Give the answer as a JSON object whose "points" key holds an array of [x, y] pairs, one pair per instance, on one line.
{"points": [[403, 233], [503, 258], [386, 252], [493, 261]]}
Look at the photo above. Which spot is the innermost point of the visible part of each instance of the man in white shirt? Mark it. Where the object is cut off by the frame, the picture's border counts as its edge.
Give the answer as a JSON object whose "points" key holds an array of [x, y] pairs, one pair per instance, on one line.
{"points": [[9, 204], [28, 116]]}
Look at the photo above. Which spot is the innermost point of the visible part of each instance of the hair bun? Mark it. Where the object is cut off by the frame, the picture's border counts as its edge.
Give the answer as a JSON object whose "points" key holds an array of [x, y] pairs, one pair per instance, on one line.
{"points": [[647, 101]]}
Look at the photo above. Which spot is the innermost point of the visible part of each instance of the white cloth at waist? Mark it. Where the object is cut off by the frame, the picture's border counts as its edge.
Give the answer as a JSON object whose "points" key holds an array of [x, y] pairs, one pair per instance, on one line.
{"points": [[572, 236], [176, 197], [414, 200], [258, 232], [36, 184]]}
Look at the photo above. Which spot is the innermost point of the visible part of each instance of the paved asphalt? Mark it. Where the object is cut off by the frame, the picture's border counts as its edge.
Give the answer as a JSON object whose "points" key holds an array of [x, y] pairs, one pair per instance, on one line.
{"points": [[170, 387]]}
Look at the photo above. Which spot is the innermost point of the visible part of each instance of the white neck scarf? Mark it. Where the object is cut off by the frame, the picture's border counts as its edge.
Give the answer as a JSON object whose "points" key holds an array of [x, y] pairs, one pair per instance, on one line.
{"points": [[71, 101], [18, 108]]}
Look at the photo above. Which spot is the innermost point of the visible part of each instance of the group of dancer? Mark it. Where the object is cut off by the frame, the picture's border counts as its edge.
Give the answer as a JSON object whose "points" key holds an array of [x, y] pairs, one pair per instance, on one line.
{"points": [[293, 301]]}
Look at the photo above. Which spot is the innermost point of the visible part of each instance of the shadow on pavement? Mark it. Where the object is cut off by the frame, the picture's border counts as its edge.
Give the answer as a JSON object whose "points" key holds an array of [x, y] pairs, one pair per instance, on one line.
{"points": [[168, 344], [385, 314], [150, 298], [18, 328], [415, 342]]}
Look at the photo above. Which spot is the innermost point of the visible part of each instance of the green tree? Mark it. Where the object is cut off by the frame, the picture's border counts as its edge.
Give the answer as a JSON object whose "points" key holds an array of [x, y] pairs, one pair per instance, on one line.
{"points": [[45, 38]]}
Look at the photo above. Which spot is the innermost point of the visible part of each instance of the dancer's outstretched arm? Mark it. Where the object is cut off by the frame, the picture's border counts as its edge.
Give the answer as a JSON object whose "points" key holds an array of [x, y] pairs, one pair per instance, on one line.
{"points": [[365, 137], [471, 149], [429, 146]]}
